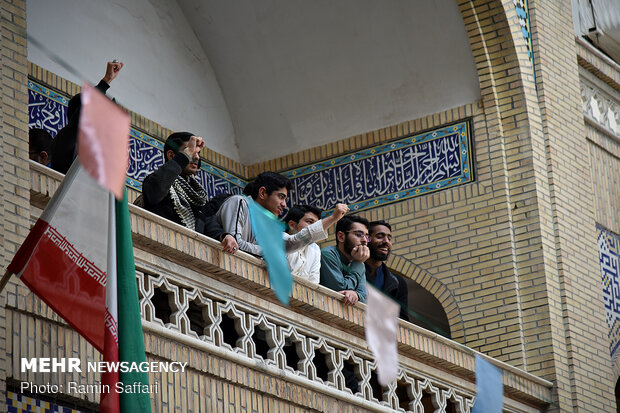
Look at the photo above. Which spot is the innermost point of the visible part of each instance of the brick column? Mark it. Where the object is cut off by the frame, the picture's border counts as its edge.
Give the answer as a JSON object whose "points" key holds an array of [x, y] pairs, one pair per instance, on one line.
{"points": [[14, 168], [541, 164], [572, 207]]}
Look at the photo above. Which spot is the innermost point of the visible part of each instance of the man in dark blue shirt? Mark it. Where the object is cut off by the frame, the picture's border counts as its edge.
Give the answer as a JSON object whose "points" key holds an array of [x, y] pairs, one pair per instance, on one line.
{"points": [[377, 273]]}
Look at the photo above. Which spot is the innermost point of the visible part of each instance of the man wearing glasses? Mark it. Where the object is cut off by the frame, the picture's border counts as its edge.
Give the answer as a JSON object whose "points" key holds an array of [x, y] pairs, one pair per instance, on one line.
{"points": [[342, 265], [377, 273]]}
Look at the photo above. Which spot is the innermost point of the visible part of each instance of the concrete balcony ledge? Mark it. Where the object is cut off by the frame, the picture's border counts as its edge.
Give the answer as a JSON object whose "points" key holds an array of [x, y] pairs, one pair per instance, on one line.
{"points": [[202, 283], [596, 62]]}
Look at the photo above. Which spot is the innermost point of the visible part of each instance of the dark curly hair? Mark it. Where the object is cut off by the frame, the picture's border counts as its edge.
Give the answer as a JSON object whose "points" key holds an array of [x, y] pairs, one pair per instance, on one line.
{"points": [[270, 180]]}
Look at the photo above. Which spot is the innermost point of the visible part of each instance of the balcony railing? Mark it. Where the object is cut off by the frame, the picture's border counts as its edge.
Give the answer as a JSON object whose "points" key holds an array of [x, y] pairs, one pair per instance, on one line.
{"points": [[208, 307]]}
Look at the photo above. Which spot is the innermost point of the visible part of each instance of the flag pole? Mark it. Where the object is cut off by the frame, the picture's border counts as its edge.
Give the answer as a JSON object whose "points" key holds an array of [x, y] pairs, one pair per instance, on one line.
{"points": [[5, 279]]}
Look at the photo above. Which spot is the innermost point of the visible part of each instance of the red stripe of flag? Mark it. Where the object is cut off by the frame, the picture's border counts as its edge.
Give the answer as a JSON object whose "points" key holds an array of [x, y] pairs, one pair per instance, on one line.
{"points": [[58, 279]]}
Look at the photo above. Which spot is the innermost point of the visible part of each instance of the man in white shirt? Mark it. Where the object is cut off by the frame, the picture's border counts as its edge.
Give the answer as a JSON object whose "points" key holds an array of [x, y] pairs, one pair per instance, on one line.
{"points": [[305, 262]]}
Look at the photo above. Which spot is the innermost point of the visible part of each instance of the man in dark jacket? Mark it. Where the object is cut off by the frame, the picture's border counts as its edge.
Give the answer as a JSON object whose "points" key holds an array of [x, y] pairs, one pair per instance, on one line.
{"points": [[377, 273], [64, 145], [39, 143], [173, 193]]}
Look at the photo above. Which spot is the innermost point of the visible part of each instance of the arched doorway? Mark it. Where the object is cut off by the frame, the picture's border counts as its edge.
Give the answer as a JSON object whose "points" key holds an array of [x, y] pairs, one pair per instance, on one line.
{"points": [[618, 395], [432, 305], [426, 311]]}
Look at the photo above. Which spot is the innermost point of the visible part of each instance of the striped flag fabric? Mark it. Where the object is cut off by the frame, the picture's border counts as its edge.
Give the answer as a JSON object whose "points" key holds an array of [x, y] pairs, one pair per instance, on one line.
{"points": [[110, 402], [131, 339], [63, 259], [78, 258]]}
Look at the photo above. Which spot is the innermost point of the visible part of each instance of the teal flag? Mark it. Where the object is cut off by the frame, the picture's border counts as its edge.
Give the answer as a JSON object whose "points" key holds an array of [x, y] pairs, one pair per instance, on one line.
{"points": [[268, 230]]}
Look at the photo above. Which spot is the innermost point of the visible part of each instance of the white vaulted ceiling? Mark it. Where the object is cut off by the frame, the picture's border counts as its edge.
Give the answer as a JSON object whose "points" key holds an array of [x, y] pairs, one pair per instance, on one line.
{"points": [[259, 79], [295, 74]]}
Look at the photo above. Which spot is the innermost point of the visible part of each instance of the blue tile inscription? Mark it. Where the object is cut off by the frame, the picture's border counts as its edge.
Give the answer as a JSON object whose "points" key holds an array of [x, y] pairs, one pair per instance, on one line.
{"points": [[609, 258], [399, 170], [391, 172]]}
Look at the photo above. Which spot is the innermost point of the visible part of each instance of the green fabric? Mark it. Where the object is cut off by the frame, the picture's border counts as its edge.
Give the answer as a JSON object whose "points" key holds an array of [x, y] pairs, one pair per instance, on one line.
{"points": [[130, 336]]}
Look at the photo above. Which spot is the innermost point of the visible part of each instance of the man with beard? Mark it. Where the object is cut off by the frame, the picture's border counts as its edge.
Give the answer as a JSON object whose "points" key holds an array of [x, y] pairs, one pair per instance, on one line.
{"points": [[342, 265], [173, 193], [377, 273], [270, 191]]}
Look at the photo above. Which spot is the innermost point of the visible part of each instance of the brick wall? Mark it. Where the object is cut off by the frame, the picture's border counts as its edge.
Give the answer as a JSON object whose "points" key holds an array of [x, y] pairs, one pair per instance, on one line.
{"points": [[605, 164], [568, 167], [14, 198], [516, 249], [512, 256]]}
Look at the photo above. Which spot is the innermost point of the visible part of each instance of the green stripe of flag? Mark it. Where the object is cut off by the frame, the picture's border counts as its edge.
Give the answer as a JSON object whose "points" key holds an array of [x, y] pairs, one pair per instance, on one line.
{"points": [[130, 335]]}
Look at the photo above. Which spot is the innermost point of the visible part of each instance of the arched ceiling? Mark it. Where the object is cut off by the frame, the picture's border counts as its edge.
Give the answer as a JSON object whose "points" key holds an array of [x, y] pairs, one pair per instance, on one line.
{"points": [[298, 73]]}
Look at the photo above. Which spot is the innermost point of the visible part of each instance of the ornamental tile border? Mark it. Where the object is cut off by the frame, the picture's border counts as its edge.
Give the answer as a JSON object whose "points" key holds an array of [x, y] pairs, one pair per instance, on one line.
{"points": [[19, 403], [523, 14], [609, 259], [600, 107], [410, 166]]}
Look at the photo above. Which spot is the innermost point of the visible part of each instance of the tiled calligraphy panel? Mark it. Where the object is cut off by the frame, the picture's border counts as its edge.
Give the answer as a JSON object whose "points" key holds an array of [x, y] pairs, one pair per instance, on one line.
{"points": [[609, 257], [411, 166], [48, 110], [387, 173]]}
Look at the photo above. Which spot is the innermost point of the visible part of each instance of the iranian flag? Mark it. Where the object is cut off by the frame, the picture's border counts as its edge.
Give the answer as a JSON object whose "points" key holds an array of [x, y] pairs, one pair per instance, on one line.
{"points": [[78, 257]]}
